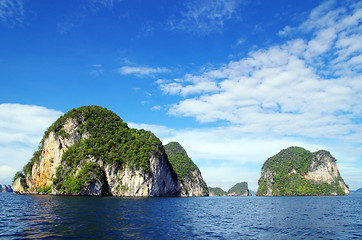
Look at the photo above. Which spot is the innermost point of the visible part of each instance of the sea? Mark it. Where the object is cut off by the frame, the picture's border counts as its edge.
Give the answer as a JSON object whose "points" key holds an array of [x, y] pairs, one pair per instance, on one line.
{"points": [[76, 217]]}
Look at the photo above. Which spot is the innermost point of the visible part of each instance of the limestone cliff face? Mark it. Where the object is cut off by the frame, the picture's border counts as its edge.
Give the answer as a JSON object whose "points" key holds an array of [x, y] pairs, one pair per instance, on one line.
{"points": [[18, 187], [73, 162], [296, 171], [194, 186], [161, 181], [267, 175], [43, 171]]}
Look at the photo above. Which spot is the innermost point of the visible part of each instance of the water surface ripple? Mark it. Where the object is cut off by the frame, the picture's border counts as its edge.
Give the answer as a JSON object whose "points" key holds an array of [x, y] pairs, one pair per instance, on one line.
{"points": [[69, 217]]}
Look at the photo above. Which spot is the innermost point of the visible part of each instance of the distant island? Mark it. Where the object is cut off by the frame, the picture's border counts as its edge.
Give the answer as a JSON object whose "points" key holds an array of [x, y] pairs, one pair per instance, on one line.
{"points": [[239, 189], [6, 188], [91, 151], [296, 171], [358, 191]]}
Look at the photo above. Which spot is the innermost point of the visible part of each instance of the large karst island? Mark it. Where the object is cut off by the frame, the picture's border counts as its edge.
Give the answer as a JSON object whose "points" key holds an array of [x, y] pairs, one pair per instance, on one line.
{"points": [[296, 171], [91, 151]]}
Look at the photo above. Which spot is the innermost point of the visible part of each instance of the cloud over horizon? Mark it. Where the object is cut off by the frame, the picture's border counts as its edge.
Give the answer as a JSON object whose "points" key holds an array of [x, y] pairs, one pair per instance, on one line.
{"points": [[21, 128]]}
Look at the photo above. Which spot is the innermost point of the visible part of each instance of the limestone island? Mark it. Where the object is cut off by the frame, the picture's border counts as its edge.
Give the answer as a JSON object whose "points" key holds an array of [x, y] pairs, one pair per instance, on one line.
{"points": [[91, 151], [6, 188], [297, 172]]}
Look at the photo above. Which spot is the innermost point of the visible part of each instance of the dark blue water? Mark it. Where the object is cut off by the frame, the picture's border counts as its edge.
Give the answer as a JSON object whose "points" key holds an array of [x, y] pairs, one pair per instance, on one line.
{"points": [[61, 217]]}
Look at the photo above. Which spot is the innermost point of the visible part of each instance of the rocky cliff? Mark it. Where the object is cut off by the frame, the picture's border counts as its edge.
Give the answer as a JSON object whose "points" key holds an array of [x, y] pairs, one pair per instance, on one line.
{"points": [[296, 171], [91, 151], [239, 189], [192, 183], [6, 188]]}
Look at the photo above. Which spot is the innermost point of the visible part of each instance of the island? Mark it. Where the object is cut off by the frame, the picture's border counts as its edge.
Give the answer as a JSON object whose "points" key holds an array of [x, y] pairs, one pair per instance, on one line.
{"points": [[91, 151], [6, 188], [298, 172]]}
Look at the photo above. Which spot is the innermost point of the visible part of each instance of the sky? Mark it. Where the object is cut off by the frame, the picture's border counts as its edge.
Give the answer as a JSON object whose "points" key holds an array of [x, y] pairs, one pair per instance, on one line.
{"points": [[233, 81]]}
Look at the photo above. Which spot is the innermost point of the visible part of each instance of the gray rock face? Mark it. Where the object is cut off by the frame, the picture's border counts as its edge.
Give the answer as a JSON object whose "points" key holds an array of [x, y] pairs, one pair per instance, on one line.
{"points": [[160, 181], [6, 188], [194, 186]]}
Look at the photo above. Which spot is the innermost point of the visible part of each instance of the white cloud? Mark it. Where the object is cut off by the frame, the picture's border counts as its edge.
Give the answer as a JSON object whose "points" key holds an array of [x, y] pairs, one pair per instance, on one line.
{"points": [[141, 71], [12, 12], [6, 175], [21, 129], [157, 108], [306, 87], [205, 16], [306, 92]]}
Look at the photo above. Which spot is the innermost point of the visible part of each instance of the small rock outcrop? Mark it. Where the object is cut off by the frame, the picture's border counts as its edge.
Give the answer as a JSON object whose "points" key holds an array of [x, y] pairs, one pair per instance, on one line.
{"points": [[91, 151], [296, 171], [239, 189], [6, 188], [189, 175]]}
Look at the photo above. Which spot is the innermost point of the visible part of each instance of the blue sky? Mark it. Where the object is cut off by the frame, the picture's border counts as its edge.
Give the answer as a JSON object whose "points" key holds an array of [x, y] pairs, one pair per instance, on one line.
{"points": [[234, 81]]}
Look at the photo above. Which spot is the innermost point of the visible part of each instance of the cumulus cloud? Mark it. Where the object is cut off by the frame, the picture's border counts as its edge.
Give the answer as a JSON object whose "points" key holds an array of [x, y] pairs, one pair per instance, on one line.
{"points": [[21, 128], [308, 86], [304, 92], [141, 71], [205, 16], [12, 12]]}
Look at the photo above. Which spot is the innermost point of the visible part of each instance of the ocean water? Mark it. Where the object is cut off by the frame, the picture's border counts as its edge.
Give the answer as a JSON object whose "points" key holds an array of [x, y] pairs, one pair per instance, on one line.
{"points": [[70, 217]]}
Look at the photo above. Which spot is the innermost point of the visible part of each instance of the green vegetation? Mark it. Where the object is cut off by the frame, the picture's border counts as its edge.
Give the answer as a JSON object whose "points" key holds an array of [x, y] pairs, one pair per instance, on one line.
{"points": [[216, 191], [239, 188], [45, 190], [108, 139], [286, 160], [70, 183], [287, 182], [182, 164]]}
